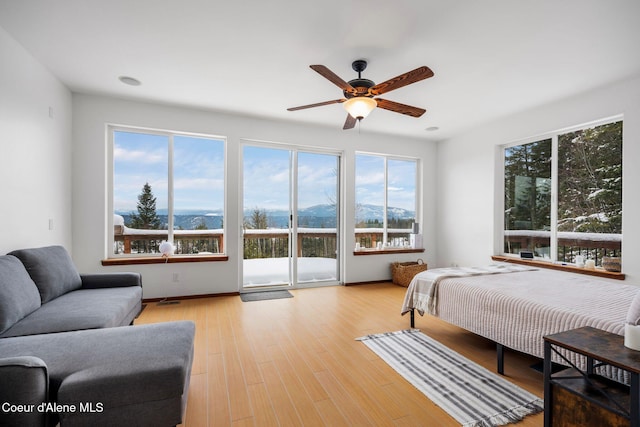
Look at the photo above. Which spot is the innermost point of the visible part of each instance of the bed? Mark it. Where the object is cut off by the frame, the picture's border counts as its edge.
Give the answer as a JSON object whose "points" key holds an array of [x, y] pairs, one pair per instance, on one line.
{"points": [[516, 306]]}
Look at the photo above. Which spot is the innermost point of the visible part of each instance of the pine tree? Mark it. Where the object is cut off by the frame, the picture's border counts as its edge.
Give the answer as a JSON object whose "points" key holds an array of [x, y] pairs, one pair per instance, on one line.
{"points": [[590, 180], [258, 220], [527, 186], [147, 218]]}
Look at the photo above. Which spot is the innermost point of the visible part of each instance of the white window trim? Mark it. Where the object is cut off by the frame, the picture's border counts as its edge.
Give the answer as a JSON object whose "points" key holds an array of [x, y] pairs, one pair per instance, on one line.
{"points": [[499, 184], [418, 187], [110, 129]]}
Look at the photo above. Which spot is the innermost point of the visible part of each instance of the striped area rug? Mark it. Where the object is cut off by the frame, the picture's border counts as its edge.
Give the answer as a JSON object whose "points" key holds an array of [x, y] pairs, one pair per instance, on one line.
{"points": [[471, 394]]}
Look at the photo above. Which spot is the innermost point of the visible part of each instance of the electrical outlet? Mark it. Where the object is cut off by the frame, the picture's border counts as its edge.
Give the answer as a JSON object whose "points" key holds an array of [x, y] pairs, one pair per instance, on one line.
{"points": [[176, 277]]}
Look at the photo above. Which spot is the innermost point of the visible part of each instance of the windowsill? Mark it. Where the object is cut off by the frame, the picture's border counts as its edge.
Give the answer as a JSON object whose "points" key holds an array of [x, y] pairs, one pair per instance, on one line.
{"points": [[388, 251], [599, 272], [163, 260]]}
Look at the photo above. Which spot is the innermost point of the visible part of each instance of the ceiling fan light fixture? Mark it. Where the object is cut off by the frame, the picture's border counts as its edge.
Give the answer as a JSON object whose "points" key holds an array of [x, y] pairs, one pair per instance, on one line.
{"points": [[359, 107]]}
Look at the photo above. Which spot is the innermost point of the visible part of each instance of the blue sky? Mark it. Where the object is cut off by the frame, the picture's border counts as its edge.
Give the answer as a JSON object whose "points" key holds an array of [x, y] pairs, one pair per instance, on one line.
{"points": [[198, 170], [370, 182], [267, 180], [199, 175]]}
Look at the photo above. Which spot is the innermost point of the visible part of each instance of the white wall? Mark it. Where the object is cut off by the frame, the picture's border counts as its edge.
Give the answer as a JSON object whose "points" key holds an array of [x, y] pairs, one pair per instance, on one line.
{"points": [[35, 152], [467, 173], [92, 113]]}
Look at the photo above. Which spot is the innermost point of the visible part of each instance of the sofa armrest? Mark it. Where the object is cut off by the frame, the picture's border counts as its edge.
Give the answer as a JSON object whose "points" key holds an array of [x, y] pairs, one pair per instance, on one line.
{"points": [[110, 280], [25, 381]]}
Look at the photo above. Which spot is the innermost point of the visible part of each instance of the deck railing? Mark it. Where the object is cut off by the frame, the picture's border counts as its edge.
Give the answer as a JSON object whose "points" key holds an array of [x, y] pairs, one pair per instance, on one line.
{"points": [[370, 237], [269, 243], [590, 245], [274, 243], [186, 242]]}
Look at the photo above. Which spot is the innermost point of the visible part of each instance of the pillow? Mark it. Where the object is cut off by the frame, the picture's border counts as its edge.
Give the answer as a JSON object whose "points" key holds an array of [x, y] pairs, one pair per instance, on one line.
{"points": [[18, 294], [52, 270], [633, 315]]}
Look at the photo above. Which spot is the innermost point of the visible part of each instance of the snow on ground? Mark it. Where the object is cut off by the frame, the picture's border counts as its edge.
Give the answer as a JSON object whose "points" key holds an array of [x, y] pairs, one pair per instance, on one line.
{"points": [[275, 271]]}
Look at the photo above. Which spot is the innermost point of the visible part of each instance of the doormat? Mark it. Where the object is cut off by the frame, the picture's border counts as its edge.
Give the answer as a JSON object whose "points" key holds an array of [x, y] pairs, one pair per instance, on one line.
{"points": [[265, 295]]}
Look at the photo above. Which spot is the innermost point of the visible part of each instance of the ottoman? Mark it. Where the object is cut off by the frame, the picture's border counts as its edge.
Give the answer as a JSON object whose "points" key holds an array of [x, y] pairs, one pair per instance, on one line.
{"points": [[130, 375]]}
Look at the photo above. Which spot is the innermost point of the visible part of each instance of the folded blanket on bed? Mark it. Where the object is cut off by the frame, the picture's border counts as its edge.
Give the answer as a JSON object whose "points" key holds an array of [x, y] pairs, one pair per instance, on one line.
{"points": [[422, 292]]}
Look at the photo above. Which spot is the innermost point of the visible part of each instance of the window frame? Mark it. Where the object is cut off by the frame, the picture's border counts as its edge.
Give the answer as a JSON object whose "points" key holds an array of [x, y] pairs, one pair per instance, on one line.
{"points": [[417, 201], [151, 258], [500, 190]]}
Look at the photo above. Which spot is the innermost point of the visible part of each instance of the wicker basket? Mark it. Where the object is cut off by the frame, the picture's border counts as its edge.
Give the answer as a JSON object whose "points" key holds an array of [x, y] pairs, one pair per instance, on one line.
{"points": [[403, 272]]}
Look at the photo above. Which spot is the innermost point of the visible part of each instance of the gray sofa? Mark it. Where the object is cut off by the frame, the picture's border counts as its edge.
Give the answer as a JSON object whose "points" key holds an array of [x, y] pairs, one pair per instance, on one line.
{"points": [[42, 292], [67, 355]]}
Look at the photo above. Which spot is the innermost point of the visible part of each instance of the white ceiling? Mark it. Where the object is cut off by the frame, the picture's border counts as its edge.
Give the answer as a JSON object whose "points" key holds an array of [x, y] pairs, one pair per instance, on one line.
{"points": [[490, 58]]}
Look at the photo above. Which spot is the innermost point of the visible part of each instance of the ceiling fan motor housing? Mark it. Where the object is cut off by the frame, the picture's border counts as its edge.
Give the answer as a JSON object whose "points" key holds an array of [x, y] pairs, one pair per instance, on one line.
{"points": [[361, 86]]}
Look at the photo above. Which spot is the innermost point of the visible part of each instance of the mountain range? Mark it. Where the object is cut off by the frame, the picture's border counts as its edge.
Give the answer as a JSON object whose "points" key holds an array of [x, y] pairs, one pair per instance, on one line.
{"points": [[323, 215]]}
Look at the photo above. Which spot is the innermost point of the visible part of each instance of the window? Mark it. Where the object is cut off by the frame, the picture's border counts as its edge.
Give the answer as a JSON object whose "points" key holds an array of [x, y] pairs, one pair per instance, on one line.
{"points": [[527, 197], [386, 201], [583, 169], [167, 187]]}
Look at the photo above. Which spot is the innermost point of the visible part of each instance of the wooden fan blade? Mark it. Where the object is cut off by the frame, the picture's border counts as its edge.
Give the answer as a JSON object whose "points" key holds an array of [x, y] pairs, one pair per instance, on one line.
{"points": [[319, 104], [333, 78], [350, 123], [396, 107], [416, 75]]}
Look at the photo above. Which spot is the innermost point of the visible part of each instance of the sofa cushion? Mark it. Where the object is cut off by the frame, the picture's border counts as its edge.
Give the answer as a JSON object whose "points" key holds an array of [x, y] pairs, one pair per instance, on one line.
{"points": [[82, 309], [52, 270], [18, 294], [140, 374]]}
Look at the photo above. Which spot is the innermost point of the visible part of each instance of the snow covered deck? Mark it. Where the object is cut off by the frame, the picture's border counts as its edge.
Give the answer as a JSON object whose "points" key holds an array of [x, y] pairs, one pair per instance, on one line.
{"points": [[275, 271]]}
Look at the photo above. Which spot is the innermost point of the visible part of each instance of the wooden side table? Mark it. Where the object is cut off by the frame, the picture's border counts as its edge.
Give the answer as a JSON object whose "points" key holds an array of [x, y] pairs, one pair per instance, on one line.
{"points": [[579, 396]]}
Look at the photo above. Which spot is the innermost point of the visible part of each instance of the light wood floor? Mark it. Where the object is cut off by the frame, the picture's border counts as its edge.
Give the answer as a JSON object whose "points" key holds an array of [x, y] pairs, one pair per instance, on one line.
{"points": [[294, 361]]}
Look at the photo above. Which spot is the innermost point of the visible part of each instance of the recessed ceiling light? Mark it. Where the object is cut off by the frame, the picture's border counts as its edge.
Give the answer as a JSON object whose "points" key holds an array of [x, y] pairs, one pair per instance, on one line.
{"points": [[129, 81], [432, 128]]}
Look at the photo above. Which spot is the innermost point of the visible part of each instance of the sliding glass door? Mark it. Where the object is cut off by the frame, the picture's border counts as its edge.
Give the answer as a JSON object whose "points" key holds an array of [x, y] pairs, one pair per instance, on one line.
{"points": [[290, 217], [316, 217]]}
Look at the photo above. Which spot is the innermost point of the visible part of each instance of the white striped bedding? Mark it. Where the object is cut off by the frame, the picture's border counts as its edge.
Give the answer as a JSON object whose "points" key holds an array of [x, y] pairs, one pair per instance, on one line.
{"points": [[519, 308]]}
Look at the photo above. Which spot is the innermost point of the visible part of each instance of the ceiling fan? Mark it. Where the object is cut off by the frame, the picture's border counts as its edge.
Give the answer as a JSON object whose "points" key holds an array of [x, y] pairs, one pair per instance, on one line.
{"points": [[359, 93]]}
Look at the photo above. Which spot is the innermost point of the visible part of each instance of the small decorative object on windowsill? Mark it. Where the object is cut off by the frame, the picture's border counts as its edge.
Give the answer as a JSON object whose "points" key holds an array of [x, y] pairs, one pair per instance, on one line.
{"points": [[590, 264], [415, 238], [166, 249], [612, 263]]}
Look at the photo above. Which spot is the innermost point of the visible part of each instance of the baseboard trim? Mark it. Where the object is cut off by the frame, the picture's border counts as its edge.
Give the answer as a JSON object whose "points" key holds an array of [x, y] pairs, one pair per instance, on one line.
{"points": [[369, 282], [188, 297], [232, 294]]}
